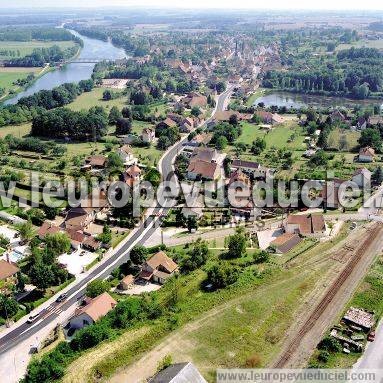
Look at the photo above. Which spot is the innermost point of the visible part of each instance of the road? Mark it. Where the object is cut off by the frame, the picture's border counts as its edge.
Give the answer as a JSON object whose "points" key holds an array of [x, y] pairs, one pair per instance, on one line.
{"points": [[50, 314]]}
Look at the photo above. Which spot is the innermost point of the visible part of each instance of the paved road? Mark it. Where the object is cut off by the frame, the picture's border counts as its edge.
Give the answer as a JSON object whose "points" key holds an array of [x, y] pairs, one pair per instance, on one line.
{"points": [[50, 314]]}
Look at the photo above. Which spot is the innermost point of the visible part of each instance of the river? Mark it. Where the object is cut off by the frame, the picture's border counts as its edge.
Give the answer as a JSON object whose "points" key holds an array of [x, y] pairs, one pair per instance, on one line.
{"points": [[295, 100], [75, 72]]}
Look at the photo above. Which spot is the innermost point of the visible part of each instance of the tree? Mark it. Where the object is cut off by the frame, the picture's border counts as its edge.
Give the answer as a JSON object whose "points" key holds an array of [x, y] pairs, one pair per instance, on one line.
{"points": [[320, 158], [114, 115], [192, 223], [196, 257], [370, 137], [4, 241], [233, 120], [258, 146], [126, 112], [220, 142], [377, 176], [8, 306], [97, 287], [50, 212], [222, 274], [153, 176], [123, 126], [261, 257], [107, 95], [138, 254], [329, 343], [115, 162], [237, 244], [26, 230], [196, 111], [106, 236], [57, 244], [41, 275]]}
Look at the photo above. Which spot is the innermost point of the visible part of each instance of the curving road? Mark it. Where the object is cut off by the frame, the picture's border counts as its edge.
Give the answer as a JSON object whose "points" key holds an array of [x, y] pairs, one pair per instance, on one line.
{"points": [[50, 314]]}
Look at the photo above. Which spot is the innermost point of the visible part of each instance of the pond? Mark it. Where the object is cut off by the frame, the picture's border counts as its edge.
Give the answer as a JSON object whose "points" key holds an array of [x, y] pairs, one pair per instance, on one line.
{"points": [[295, 100]]}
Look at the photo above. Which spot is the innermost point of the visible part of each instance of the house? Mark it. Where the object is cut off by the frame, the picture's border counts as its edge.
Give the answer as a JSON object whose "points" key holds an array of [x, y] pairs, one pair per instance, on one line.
{"points": [[47, 228], [127, 282], [199, 169], [77, 237], [285, 242], [187, 125], [167, 123], [366, 154], [225, 115], [148, 135], [200, 139], [205, 154], [90, 243], [132, 175], [178, 373], [80, 217], [362, 177], [126, 155], [269, 118], [308, 225], [158, 268], [95, 162], [251, 168], [337, 116], [194, 99], [8, 275], [362, 123], [93, 310]]}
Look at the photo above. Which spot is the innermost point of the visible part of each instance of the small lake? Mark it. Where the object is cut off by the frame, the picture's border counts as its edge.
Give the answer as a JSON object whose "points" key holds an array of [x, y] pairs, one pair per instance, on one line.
{"points": [[294, 100], [93, 49]]}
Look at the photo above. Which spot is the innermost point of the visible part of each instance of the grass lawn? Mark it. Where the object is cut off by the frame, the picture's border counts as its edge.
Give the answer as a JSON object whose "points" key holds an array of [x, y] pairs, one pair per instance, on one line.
{"points": [[26, 47], [341, 139], [278, 136], [94, 98], [16, 130]]}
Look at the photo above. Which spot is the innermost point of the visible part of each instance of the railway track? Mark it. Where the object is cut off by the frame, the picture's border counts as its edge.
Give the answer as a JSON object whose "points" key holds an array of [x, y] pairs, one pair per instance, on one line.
{"points": [[330, 294]]}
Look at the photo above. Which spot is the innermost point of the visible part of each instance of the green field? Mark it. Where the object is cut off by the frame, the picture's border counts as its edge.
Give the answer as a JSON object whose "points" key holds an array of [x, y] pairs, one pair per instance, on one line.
{"points": [[378, 44], [278, 137], [9, 75], [343, 140], [26, 47], [16, 130], [94, 98]]}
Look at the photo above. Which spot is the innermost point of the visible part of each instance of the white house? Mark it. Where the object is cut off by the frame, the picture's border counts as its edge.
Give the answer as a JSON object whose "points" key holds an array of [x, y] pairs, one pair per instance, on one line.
{"points": [[127, 156], [366, 154], [148, 135], [362, 177], [93, 310]]}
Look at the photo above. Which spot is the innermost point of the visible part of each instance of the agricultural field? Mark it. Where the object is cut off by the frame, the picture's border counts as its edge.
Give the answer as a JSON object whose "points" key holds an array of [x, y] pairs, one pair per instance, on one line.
{"points": [[8, 77], [378, 44], [343, 140], [24, 48]]}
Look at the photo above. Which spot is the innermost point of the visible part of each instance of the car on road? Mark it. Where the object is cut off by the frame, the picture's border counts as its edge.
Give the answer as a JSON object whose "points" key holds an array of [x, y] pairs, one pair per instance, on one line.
{"points": [[62, 298], [371, 336], [32, 318]]}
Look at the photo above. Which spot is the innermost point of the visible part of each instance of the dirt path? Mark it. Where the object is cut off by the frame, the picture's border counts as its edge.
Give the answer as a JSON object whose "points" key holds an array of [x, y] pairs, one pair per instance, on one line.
{"points": [[305, 335]]}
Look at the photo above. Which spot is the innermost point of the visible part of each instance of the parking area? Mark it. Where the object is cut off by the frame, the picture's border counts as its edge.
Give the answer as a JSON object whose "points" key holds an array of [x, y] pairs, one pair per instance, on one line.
{"points": [[77, 261]]}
